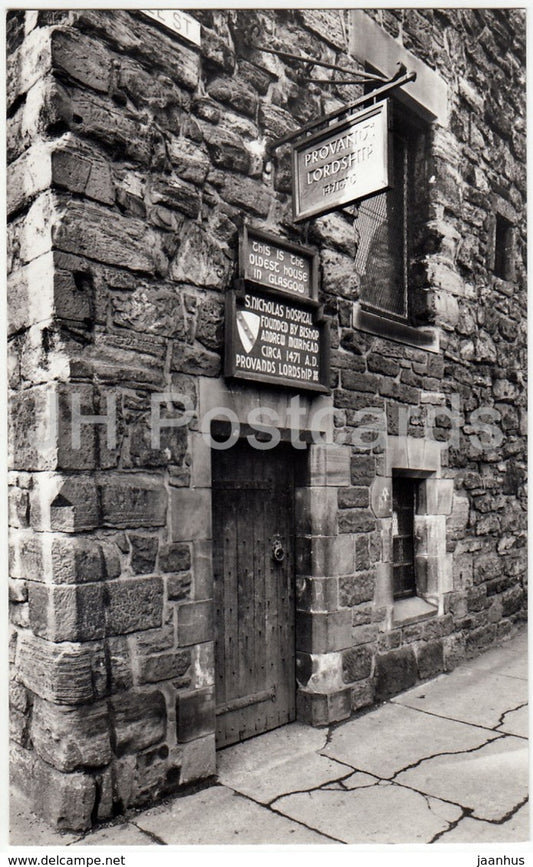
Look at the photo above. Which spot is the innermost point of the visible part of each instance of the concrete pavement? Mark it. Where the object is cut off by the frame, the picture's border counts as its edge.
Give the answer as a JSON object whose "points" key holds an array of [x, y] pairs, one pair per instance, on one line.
{"points": [[444, 762]]}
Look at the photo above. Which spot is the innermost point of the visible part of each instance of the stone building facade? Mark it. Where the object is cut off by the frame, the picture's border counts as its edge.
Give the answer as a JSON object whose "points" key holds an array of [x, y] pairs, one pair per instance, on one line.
{"points": [[135, 158]]}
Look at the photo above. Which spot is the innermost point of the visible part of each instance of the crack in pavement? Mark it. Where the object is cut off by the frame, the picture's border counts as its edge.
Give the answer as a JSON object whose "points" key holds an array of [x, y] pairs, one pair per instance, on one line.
{"points": [[150, 834], [446, 753], [462, 721], [465, 813], [505, 713]]}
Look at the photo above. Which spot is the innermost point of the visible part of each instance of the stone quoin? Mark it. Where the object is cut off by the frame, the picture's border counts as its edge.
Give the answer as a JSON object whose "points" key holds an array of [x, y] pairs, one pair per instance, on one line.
{"points": [[366, 530]]}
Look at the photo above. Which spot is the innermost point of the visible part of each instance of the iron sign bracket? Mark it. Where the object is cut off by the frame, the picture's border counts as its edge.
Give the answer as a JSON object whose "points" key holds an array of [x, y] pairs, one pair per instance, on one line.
{"points": [[398, 80]]}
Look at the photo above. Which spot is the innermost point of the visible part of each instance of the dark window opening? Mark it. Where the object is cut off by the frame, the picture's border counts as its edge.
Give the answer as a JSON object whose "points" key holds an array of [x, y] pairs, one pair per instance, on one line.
{"points": [[503, 248], [404, 506]]}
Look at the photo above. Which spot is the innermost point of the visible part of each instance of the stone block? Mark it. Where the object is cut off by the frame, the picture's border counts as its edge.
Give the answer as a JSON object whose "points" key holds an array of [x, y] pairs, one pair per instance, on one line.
{"points": [[42, 431], [454, 649], [329, 465], [172, 665], [133, 501], [174, 557], [325, 556], [202, 568], [317, 594], [436, 497], [119, 664], [26, 556], [195, 714], [195, 623], [319, 709], [65, 504], [430, 659], [31, 61], [480, 638], [73, 561], [139, 720], [316, 510], [381, 497], [143, 553], [200, 260], [179, 586], [395, 672], [362, 470], [64, 673], [362, 695], [134, 604], [68, 612], [354, 589], [85, 229], [201, 460], [356, 521], [71, 738], [198, 759], [190, 514], [323, 633], [66, 801], [81, 58], [356, 664]]}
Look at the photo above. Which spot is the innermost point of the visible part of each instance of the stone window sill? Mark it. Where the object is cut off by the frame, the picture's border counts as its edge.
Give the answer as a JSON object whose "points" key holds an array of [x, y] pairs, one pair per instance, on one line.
{"points": [[380, 326], [412, 610]]}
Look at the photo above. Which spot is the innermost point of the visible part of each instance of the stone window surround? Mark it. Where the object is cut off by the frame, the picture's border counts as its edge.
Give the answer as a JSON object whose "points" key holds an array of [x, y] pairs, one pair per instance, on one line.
{"points": [[427, 97], [417, 458]]}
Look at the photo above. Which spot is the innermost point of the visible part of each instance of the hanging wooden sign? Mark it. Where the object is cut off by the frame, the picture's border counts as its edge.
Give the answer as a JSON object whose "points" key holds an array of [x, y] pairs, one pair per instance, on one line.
{"points": [[341, 164]]}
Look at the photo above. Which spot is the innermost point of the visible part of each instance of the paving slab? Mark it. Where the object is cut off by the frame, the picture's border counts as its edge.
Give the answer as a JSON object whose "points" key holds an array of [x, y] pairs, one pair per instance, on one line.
{"points": [[124, 834], [278, 763], [465, 697], [515, 830], [510, 659], [516, 722], [26, 829], [387, 740], [218, 816], [491, 781], [384, 813]]}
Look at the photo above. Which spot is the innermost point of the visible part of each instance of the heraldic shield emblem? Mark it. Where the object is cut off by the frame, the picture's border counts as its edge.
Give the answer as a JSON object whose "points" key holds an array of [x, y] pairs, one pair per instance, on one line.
{"points": [[248, 328]]}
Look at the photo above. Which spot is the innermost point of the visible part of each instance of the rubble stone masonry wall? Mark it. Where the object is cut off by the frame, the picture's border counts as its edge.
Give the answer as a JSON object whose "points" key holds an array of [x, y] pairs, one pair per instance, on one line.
{"points": [[134, 158]]}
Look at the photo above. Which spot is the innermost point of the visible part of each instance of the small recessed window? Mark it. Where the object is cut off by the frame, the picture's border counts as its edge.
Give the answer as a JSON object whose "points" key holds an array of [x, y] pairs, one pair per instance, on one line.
{"points": [[404, 506], [503, 248]]}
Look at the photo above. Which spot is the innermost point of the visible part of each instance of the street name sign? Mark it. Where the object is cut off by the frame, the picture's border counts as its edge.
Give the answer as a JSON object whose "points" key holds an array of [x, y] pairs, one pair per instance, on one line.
{"points": [[341, 164], [177, 21]]}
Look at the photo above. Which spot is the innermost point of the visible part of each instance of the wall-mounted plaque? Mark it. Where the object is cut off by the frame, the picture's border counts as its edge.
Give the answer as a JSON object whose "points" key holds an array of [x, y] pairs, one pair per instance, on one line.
{"points": [[343, 163], [270, 261], [270, 338]]}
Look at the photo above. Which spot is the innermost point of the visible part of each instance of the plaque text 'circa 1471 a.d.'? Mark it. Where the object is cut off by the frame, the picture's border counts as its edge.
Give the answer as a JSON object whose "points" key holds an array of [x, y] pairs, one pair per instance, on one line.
{"points": [[345, 162]]}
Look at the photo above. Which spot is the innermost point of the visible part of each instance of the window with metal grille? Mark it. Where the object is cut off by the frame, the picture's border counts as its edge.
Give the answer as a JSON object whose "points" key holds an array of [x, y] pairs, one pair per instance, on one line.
{"points": [[391, 225], [382, 255], [404, 505]]}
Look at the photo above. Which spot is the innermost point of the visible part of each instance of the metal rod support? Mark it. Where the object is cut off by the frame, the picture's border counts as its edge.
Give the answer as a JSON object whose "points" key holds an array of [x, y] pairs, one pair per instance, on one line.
{"points": [[367, 76], [367, 97]]}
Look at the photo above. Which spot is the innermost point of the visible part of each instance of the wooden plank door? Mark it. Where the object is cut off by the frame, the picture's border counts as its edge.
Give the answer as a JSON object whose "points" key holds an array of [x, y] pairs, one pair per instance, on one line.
{"points": [[253, 511]]}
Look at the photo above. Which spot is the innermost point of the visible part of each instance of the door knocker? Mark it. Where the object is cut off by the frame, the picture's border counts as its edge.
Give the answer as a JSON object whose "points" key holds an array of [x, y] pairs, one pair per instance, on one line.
{"points": [[278, 551]]}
